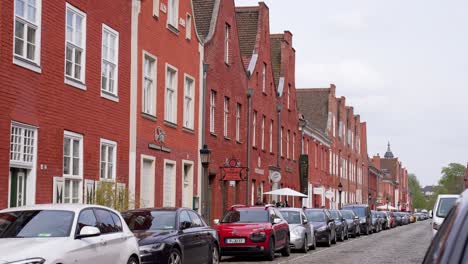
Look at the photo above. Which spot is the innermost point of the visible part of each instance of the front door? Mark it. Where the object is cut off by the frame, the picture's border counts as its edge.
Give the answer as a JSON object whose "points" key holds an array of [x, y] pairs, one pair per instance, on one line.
{"points": [[18, 180]]}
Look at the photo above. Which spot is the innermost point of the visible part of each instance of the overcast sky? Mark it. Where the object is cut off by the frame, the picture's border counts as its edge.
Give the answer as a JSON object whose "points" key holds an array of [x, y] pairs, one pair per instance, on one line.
{"points": [[402, 64]]}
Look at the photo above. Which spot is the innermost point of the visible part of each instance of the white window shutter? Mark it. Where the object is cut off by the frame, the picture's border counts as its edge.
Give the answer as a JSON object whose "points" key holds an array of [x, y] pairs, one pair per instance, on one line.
{"points": [[59, 183], [156, 8], [89, 193]]}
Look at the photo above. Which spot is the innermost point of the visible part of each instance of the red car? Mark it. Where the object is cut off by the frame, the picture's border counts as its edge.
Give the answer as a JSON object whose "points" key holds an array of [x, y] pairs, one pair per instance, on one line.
{"points": [[259, 230]]}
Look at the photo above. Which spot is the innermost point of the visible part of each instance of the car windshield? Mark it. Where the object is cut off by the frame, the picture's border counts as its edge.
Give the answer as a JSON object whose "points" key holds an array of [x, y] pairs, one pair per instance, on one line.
{"points": [[347, 214], [36, 223], [315, 216], [445, 204], [334, 214], [246, 216], [150, 220], [291, 217], [360, 211]]}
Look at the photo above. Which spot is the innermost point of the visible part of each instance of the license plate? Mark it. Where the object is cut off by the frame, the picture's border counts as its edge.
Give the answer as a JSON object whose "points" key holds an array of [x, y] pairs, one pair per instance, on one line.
{"points": [[235, 240]]}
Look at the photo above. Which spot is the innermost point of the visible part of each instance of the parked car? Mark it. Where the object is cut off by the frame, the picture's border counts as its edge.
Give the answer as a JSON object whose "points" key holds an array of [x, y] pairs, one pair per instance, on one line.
{"points": [[450, 244], [364, 213], [412, 218], [385, 220], [173, 235], [302, 233], [324, 224], [341, 225], [391, 219], [65, 233], [442, 206], [376, 223], [258, 230], [352, 221]]}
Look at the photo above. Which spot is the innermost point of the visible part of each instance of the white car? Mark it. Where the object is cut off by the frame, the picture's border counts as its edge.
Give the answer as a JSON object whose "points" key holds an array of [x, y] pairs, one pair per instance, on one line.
{"points": [[65, 233], [441, 208]]}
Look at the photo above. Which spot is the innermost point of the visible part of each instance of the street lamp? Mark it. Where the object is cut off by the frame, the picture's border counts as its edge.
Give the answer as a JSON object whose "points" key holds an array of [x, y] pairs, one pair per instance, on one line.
{"points": [[340, 189], [387, 202], [369, 199], [398, 206], [205, 154]]}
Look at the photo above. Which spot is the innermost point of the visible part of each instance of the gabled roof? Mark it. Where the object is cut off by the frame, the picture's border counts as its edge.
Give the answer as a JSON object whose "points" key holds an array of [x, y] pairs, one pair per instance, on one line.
{"points": [[313, 104], [275, 44], [203, 12], [247, 27]]}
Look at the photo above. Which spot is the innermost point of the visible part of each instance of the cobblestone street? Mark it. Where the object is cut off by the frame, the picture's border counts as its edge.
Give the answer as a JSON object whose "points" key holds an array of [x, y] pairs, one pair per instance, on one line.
{"points": [[406, 244]]}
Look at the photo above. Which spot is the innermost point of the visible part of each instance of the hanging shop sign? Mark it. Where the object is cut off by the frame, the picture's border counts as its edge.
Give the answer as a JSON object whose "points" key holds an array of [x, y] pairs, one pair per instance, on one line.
{"points": [[275, 177], [232, 171], [304, 173]]}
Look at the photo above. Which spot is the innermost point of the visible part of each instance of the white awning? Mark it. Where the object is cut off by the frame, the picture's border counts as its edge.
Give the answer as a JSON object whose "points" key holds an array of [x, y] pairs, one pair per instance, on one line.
{"points": [[286, 192]]}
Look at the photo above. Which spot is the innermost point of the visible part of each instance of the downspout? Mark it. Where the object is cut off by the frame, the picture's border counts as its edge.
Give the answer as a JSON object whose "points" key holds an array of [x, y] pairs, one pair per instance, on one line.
{"points": [[249, 113]]}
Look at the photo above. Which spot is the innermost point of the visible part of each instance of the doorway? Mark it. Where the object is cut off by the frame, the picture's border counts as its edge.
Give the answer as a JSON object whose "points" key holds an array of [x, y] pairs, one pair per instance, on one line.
{"points": [[18, 183]]}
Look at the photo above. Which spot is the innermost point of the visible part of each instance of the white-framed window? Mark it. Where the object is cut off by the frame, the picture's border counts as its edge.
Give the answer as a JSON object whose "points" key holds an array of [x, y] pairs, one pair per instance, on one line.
{"points": [[27, 33], [226, 117], [72, 167], [108, 159], [281, 142], [22, 145], [110, 61], [289, 96], [188, 26], [263, 133], [227, 40], [173, 13], [287, 144], [149, 84], [169, 184], [307, 147], [264, 77], [271, 136], [212, 111], [294, 146], [170, 110], [156, 8], [254, 129], [189, 102], [238, 121], [75, 47]]}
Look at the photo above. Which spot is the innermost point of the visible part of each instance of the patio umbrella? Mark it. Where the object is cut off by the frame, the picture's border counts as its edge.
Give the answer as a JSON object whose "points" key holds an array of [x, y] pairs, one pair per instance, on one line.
{"points": [[386, 207], [286, 192]]}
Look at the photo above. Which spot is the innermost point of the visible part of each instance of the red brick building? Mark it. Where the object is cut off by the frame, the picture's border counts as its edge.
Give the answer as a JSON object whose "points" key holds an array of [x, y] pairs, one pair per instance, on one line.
{"points": [[65, 104], [166, 99]]}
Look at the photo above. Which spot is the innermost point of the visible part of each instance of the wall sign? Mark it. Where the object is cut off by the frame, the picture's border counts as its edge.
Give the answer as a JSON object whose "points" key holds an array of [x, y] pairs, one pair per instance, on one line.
{"points": [[304, 173], [275, 177]]}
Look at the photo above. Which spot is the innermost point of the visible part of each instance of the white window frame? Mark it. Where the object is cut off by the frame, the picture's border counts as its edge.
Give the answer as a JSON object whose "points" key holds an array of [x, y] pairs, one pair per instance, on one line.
{"points": [[189, 183], [226, 117], [70, 178], [21, 163], [281, 141], [22, 60], [156, 8], [108, 143], [271, 136], [264, 77], [189, 114], [227, 37], [174, 182], [188, 26], [294, 146], [71, 80], [263, 133], [287, 143], [170, 112], [173, 13], [238, 121], [105, 91], [254, 129], [152, 100], [212, 111]]}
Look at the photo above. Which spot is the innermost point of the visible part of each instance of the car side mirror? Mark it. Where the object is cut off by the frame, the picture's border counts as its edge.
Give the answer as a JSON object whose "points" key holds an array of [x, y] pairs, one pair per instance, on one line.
{"points": [[185, 225], [88, 231], [276, 221], [331, 220], [305, 221], [216, 221], [356, 218]]}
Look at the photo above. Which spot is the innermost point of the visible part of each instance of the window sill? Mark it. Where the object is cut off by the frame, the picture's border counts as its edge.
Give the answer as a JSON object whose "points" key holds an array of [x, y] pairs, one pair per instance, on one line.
{"points": [[272, 153], [213, 134], [170, 124], [27, 64], [188, 130], [238, 142], [227, 64], [74, 83], [264, 93], [227, 138], [106, 180], [148, 116], [254, 147], [109, 96], [263, 151], [173, 29]]}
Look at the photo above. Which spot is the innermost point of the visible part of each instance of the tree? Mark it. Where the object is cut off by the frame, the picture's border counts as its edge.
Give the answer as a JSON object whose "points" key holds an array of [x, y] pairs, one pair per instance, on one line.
{"points": [[417, 196], [452, 179]]}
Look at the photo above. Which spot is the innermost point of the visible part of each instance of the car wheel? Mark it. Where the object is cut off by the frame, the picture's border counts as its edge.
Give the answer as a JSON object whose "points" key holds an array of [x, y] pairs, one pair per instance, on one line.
{"points": [[175, 257], [314, 245], [328, 243], [215, 257], [342, 235], [286, 251], [305, 246], [132, 260], [334, 238], [270, 253]]}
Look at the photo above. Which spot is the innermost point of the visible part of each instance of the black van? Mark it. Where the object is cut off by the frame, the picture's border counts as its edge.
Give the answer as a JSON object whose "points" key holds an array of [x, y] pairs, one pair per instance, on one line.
{"points": [[364, 213]]}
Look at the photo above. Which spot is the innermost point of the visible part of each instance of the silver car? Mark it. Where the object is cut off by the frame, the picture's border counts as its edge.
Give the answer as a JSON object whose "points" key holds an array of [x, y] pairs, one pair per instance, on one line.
{"points": [[302, 233]]}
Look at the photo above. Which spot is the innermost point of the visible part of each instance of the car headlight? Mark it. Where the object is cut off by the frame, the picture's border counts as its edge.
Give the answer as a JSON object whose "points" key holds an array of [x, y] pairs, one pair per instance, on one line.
{"points": [[322, 228], [28, 261], [296, 232], [362, 221], [151, 248]]}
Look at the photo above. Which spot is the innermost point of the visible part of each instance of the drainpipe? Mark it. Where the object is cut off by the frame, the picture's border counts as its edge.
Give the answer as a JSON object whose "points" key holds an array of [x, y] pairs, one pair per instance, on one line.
{"points": [[205, 207], [249, 113], [279, 107]]}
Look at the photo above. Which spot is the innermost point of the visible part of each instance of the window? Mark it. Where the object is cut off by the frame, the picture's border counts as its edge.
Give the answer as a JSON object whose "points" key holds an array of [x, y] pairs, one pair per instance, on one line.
{"points": [[75, 44], [289, 96], [238, 120], [188, 102], [264, 78], [108, 158], [169, 184], [263, 133], [254, 129], [27, 35], [281, 142], [227, 38], [287, 144], [294, 146], [212, 111], [271, 136], [106, 222], [171, 95], [226, 117], [86, 218], [72, 167], [173, 13], [184, 217], [196, 221], [156, 8], [188, 27], [22, 145], [149, 85], [110, 59]]}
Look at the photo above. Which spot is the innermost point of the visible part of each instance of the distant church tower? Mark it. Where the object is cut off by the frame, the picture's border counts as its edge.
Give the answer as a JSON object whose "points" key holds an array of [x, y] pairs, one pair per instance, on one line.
{"points": [[388, 154]]}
